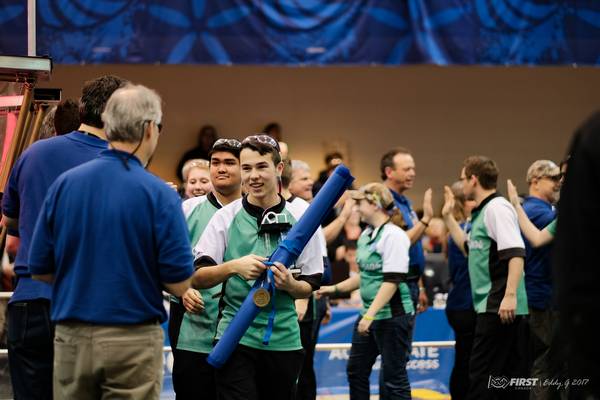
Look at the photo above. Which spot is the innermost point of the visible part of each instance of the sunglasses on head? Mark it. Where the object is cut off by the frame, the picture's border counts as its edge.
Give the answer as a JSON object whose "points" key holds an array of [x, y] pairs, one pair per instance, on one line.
{"points": [[263, 139], [232, 143]]}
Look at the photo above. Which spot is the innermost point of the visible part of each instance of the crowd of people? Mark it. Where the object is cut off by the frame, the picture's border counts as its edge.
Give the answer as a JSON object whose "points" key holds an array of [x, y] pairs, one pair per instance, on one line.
{"points": [[97, 239]]}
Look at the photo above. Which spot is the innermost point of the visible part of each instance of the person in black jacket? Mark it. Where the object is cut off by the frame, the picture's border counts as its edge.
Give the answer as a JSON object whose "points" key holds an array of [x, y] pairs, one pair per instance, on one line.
{"points": [[575, 265]]}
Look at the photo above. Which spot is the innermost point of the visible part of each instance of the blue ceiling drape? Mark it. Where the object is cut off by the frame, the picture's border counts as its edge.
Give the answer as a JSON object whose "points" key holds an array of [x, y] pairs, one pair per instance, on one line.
{"points": [[309, 32]]}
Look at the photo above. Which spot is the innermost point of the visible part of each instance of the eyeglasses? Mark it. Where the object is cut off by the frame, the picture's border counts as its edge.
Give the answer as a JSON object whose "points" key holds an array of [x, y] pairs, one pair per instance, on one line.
{"points": [[159, 125], [233, 143], [264, 139]]}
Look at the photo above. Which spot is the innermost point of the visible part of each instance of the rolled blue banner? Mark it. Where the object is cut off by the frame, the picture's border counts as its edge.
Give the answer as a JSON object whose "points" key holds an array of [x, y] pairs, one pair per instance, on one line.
{"points": [[286, 253]]}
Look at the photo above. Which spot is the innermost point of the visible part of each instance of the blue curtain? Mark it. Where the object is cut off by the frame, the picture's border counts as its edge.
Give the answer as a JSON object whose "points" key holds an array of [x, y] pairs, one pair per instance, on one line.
{"points": [[309, 32]]}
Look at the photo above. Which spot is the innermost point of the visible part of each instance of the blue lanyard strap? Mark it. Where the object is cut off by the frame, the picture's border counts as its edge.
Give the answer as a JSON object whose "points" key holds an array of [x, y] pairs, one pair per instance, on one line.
{"points": [[269, 284]]}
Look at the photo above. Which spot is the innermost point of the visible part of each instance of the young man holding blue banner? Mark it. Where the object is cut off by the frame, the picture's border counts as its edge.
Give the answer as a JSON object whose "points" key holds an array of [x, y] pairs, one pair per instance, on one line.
{"points": [[238, 239], [192, 333]]}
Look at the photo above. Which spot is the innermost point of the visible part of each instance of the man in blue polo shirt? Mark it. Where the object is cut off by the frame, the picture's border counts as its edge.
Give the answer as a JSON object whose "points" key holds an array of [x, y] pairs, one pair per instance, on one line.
{"points": [[543, 177], [111, 236], [30, 347], [398, 174]]}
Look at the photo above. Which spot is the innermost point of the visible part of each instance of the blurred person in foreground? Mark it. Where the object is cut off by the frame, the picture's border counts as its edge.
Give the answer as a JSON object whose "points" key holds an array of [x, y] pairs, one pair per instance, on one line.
{"points": [[109, 262]]}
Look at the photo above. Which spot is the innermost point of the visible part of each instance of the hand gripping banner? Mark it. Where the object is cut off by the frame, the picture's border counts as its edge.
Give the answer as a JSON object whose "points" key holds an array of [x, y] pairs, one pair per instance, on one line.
{"points": [[286, 253]]}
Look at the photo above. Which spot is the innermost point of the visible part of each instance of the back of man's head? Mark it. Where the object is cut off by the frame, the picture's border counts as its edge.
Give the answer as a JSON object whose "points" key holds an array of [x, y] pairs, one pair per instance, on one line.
{"points": [[128, 111], [484, 168], [94, 95], [66, 117]]}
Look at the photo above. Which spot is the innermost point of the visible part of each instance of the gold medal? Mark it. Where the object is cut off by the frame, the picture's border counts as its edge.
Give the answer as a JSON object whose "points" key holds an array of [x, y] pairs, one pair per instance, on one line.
{"points": [[261, 297]]}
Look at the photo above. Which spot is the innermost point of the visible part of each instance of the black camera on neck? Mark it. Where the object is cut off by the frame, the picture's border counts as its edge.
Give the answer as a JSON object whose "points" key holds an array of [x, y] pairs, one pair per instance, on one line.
{"points": [[276, 223]]}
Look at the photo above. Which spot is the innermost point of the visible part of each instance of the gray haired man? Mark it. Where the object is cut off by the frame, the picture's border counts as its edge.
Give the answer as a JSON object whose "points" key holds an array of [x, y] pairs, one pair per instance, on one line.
{"points": [[543, 177], [111, 236]]}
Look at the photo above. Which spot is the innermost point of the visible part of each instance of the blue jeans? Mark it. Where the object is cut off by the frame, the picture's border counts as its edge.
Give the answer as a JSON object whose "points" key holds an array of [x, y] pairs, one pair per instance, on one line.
{"points": [[30, 349], [391, 339]]}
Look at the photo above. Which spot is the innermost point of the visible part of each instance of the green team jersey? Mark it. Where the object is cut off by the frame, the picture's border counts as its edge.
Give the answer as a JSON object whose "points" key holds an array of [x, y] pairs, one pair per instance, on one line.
{"points": [[552, 227], [382, 256], [235, 231], [197, 331], [494, 239]]}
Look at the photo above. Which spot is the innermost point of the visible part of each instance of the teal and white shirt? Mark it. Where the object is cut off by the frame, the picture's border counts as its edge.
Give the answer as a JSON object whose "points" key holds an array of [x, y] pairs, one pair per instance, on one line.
{"points": [[382, 256], [494, 239], [197, 331], [234, 232]]}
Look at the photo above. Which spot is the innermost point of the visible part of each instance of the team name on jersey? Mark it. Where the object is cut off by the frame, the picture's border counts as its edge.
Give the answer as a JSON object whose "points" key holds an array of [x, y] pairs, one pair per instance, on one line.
{"points": [[370, 267], [476, 244]]}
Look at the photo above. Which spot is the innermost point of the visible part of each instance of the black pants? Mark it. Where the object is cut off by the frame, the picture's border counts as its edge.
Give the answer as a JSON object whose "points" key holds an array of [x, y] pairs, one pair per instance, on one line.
{"points": [[309, 335], [463, 324], [252, 374], [307, 382], [499, 354], [176, 312], [30, 349], [193, 377], [547, 355]]}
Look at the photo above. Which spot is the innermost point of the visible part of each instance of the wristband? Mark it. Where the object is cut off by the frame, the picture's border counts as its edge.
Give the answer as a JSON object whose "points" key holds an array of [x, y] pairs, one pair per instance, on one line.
{"points": [[424, 223], [368, 317], [421, 289], [336, 290]]}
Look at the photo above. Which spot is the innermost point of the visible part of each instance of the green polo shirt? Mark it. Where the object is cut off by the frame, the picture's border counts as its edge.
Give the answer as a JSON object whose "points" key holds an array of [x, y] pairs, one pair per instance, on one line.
{"points": [[197, 331], [234, 232], [494, 239]]}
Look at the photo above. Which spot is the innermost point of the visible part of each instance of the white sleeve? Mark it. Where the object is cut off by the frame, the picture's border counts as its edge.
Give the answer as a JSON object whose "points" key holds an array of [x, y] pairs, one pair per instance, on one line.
{"points": [[393, 247], [189, 205], [322, 241], [310, 260], [502, 225], [213, 241]]}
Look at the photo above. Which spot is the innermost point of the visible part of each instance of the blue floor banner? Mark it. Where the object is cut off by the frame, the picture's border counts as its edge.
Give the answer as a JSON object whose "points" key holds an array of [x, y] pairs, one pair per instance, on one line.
{"points": [[429, 366]]}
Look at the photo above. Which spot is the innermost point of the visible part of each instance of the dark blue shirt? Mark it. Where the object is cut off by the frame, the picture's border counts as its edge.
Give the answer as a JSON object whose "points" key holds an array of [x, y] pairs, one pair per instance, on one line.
{"points": [[416, 256], [459, 297], [111, 236], [538, 268], [33, 173]]}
